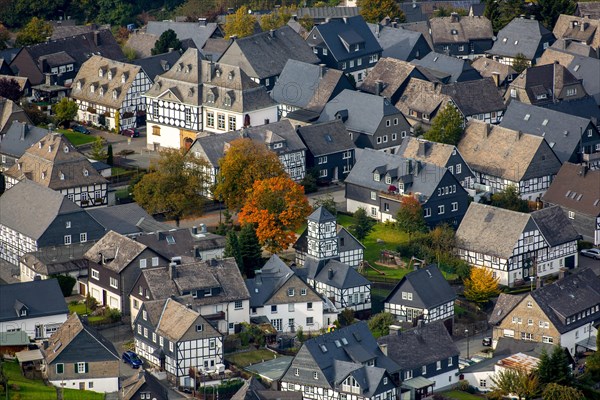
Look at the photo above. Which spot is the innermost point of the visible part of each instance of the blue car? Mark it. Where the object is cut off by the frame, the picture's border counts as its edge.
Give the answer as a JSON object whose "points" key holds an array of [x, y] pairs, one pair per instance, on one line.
{"points": [[129, 357], [81, 129]]}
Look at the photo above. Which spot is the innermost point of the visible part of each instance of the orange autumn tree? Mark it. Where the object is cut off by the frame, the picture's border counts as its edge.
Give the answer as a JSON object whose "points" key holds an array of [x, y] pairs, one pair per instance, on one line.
{"points": [[277, 207]]}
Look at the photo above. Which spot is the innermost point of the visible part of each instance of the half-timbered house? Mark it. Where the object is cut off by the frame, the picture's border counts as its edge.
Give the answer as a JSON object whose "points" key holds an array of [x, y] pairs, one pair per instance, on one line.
{"points": [[350, 249]]}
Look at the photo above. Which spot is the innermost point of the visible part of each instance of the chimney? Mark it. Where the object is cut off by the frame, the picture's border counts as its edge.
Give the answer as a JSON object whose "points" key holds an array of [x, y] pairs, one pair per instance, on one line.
{"points": [[45, 345], [395, 330], [201, 21], [383, 347], [422, 150], [211, 72], [378, 87], [532, 17], [97, 38], [24, 130], [519, 134], [561, 273], [394, 24], [233, 38], [330, 274], [538, 283], [194, 230], [321, 70], [272, 33], [37, 278], [496, 78], [420, 323], [488, 129], [377, 28], [582, 26], [172, 271], [454, 17], [387, 21]]}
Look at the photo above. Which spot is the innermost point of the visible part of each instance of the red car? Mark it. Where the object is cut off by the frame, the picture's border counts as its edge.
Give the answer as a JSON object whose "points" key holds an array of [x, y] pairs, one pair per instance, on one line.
{"points": [[130, 132]]}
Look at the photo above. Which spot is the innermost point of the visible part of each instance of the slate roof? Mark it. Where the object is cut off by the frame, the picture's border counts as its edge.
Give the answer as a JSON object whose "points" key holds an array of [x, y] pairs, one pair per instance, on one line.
{"points": [[264, 54], [55, 163], [487, 67], [396, 43], [528, 34], [572, 47], [198, 32], [327, 12], [504, 152], [365, 111], [9, 112], [181, 243], [448, 68], [19, 137], [42, 298], [567, 297], [354, 29], [555, 226], [74, 332], [350, 242], [412, 11], [15, 213], [426, 344], [122, 218], [431, 289], [157, 65], [393, 74], [58, 259], [459, 29], [491, 230], [561, 131], [581, 29], [423, 96], [215, 48], [475, 97], [178, 323], [569, 184], [144, 381], [425, 178], [306, 86], [326, 138], [142, 43], [547, 78], [62, 29], [588, 8], [343, 277], [584, 107], [118, 251], [504, 305]]}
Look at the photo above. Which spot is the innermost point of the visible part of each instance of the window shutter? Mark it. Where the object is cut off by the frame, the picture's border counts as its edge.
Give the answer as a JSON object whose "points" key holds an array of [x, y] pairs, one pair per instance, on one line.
{"points": [[75, 365], [60, 368], [86, 368]]}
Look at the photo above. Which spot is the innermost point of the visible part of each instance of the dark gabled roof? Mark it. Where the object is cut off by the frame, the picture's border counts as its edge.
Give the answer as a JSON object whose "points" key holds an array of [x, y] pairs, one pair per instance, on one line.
{"points": [[343, 276], [546, 79], [475, 97], [354, 28], [17, 203], [327, 12], [521, 36], [460, 29], [270, 278], [181, 243], [123, 218], [569, 296], [75, 341], [58, 259], [443, 66], [561, 131], [364, 111], [575, 188], [430, 287], [326, 138], [142, 382], [504, 305], [555, 226], [412, 12], [265, 54], [584, 107], [420, 346], [114, 251], [157, 65], [42, 298], [198, 32], [321, 215], [397, 43], [19, 137]]}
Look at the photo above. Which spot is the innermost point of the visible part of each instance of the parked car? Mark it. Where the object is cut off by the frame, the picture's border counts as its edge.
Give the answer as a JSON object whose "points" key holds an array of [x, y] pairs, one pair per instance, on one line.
{"points": [[129, 357], [594, 253], [130, 132], [487, 341], [81, 129]]}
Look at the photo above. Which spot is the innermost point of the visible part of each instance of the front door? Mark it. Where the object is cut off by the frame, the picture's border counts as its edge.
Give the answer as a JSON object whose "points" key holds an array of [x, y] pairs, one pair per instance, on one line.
{"points": [[81, 385], [104, 301]]}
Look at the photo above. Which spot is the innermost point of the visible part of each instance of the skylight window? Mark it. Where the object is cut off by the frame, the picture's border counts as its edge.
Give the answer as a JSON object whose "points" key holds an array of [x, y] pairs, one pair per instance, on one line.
{"points": [[170, 239], [527, 116], [545, 122]]}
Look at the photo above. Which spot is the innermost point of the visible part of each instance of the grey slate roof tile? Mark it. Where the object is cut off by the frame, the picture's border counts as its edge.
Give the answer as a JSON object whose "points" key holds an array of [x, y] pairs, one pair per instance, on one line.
{"points": [[430, 286], [42, 298], [326, 138], [555, 226]]}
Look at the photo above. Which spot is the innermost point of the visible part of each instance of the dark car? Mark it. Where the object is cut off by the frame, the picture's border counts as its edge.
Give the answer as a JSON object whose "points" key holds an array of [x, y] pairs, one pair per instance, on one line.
{"points": [[129, 357], [130, 132], [487, 341], [81, 129]]}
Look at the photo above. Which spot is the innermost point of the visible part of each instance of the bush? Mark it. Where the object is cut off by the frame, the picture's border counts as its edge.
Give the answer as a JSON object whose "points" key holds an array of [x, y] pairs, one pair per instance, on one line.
{"points": [[113, 314], [66, 283], [91, 303], [463, 386]]}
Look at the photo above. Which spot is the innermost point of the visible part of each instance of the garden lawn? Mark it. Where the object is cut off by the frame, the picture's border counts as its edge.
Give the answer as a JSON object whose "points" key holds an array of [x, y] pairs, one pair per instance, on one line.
{"points": [[36, 390], [77, 138], [80, 309], [458, 395], [250, 357]]}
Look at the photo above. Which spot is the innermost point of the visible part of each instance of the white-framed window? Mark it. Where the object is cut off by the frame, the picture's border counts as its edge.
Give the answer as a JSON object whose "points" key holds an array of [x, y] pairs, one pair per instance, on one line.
{"points": [[210, 119], [454, 206], [438, 365], [274, 309], [513, 93], [394, 136], [458, 168], [373, 58], [83, 237], [483, 383], [67, 239], [315, 375], [424, 370], [155, 261], [346, 155], [309, 320], [309, 305], [303, 292], [171, 346], [571, 214], [529, 304], [139, 329], [325, 52], [291, 307], [188, 116], [142, 263], [221, 121], [144, 315], [154, 337], [291, 292], [373, 195], [81, 368], [376, 176], [296, 372], [232, 123], [114, 283], [427, 212], [351, 63], [571, 91], [161, 341], [322, 160], [238, 304], [322, 173], [441, 209], [68, 224], [449, 361], [408, 374], [95, 274], [547, 339], [359, 62]]}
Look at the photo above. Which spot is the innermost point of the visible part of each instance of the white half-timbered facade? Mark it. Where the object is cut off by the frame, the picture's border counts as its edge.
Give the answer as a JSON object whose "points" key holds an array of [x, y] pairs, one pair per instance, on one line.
{"points": [[175, 338], [110, 93]]}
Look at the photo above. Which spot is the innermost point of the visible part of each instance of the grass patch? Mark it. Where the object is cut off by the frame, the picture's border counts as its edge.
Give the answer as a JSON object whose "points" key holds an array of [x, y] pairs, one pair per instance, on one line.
{"points": [[77, 138], [80, 309], [458, 395], [36, 390], [250, 357], [119, 171]]}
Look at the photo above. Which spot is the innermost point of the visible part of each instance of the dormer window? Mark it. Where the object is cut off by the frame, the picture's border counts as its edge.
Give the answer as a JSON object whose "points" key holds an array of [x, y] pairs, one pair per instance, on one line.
{"points": [[110, 75], [230, 76], [454, 32], [101, 91], [50, 149], [39, 145], [123, 78], [227, 101], [43, 175], [86, 172], [218, 72], [115, 94], [100, 72], [92, 88], [78, 85], [388, 180], [62, 176], [376, 177], [23, 312], [66, 149], [210, 97]]}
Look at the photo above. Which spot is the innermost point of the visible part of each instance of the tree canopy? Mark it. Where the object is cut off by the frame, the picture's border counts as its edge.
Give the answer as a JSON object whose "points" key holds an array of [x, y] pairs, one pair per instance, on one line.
{"points": [[379, 324], [363, 224], [250, 250], [410, 216], [510, 199], [446, 127], [244, 163], [376, 10], [548, 11], [10, 89], [481, 285], [554, 367], [520, 63], [167, 40], [64, 111], [173, 186], [240, 24], [510, 381], [277, 207], [36, 31]]}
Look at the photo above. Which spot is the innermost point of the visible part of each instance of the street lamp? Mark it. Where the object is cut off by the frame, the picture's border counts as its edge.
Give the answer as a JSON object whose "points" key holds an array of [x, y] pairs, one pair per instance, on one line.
{"points": [[467, 335], [531, 278]]}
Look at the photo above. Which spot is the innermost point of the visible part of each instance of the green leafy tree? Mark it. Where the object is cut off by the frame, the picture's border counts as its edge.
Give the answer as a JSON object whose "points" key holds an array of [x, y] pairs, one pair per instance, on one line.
{"points": [[4, 37], [240, 24], [410, 216], [10, 89], [346, 317], [492, 12], [223, 227], [554, 391], [554, 367], [509, 199], [65, 111], [167, 40], [548, 11], [275, 20], [446, 127], [173, 186], [447, 11], [517, 382], [520, 63], [375, 10], [592, 363], [481, 285], [509, 10], [363, 224], [379, 324], [36, 31], [109, 156], [250, 250], [232, 249], [98, 152], [66, 283], [113, 12], [306, 22], [442, 241], [327, 201]]}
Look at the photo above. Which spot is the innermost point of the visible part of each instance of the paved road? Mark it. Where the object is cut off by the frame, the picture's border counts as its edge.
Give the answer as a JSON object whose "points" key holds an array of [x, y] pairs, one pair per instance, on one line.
{"points": [[474, 344]]}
